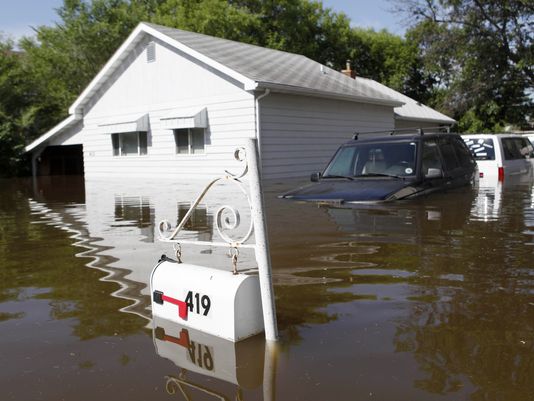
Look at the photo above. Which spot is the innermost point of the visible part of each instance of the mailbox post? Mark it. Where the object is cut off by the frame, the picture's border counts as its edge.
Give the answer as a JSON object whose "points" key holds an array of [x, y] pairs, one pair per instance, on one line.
{"points": [[263, 257], [232, 306]]}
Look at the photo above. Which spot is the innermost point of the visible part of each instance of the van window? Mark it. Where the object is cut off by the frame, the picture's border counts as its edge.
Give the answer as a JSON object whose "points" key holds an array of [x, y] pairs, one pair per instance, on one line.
{"points": [[516, 148], [481, 148]]}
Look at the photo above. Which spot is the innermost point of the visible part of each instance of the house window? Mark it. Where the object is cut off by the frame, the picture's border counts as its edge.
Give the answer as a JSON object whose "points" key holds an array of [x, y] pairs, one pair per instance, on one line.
{"points": [[189, 140], [129, 143]]}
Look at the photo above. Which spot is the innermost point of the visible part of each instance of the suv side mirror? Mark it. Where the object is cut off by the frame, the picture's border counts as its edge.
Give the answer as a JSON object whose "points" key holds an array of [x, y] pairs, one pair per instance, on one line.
{"points": [[434, 173], [315, 177]]}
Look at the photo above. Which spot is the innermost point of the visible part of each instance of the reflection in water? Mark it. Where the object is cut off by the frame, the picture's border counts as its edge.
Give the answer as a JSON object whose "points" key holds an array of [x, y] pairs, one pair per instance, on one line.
{"points": [[461, 339], [38, 262], [134, 211], [191, 350], [200, 223], [117, 227], [425, 299], [468, 290], [473, 323], [487, 204], [97, 254]]}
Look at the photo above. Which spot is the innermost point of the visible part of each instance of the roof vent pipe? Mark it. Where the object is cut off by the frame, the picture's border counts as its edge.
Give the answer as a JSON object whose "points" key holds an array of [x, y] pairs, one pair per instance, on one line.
{"points": [[348, 71]]}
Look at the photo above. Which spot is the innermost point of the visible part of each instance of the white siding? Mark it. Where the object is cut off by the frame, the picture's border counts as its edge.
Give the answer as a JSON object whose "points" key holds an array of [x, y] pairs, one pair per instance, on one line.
{"points": [[300, 134], [170, 83]]}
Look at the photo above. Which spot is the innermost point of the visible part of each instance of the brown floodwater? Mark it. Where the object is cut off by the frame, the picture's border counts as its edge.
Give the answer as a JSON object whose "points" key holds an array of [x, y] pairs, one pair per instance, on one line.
{"points": [[429, 299]]}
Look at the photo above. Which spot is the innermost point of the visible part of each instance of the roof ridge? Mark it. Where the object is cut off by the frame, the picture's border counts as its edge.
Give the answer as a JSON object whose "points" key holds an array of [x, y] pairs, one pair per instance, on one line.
{"points": [[337, 77], [163, 27]]}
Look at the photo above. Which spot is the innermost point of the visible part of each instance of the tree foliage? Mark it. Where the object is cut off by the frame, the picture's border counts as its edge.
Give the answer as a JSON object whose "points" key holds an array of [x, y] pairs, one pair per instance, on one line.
{"points": [[64, 58], [480, 56], [22, 112], [384, 57]]}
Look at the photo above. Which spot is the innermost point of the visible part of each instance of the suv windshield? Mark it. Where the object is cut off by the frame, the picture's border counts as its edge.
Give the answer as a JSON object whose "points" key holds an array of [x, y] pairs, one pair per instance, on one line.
{"points": [[374, 159]]}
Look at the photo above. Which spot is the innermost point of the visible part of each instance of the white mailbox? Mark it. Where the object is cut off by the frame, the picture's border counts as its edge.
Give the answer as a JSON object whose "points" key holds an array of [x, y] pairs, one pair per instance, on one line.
{"points": [[214, 301], [238, 363]]}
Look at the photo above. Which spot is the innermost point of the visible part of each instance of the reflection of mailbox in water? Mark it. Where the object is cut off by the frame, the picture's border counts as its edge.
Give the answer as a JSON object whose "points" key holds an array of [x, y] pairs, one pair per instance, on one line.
{"points": [[210, 300], [238, 363]]}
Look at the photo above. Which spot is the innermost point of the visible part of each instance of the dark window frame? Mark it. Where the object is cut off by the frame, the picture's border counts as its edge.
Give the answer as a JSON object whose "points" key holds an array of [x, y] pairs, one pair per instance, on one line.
{"points": [[117, 145], [436, 150], [514, 150], [190, 133], [463, 153], [450, 160]]}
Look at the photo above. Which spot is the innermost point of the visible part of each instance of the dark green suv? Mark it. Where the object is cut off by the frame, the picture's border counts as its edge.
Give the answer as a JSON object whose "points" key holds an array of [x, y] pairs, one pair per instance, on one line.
{"points": [[395, 165]]}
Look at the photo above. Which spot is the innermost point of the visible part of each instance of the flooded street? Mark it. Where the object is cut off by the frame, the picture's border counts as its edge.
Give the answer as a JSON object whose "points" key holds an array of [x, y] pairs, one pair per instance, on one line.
{"points": [[429, 299]]}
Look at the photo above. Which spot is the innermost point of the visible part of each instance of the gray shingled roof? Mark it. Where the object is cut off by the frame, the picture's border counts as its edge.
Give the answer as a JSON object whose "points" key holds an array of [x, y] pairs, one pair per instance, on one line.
{"points": [[277, 69], [412, 109]]}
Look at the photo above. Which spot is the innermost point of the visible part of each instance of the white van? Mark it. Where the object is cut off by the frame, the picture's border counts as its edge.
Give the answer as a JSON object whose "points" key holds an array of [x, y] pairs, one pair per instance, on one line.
{"points": [[501, 155]]}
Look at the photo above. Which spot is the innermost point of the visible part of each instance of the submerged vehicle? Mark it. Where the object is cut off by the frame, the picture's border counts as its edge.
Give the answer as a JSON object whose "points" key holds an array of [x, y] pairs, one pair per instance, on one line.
{"points": [[385, 166], [501, 155]]}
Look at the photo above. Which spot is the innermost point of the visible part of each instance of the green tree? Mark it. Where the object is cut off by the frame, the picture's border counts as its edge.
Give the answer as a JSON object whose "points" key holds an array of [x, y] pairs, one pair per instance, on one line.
{"points": [[10, 138], [303, 27], [21, 112], [211, 17], [384, 57], [66, 57], [480, 55]]}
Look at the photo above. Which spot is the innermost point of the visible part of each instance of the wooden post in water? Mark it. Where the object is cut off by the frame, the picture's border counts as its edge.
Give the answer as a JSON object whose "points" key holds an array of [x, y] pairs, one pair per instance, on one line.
{"points": [[263, 257]]}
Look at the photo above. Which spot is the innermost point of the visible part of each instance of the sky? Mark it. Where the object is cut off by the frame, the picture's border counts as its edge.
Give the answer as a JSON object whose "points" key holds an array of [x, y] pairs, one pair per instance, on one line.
{"points": [[374, 14], [18, 16]]}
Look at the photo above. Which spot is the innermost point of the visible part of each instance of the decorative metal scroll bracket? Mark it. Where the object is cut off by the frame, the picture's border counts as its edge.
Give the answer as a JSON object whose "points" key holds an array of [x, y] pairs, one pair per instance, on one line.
{"points": [[221, 223], [251, 162]]}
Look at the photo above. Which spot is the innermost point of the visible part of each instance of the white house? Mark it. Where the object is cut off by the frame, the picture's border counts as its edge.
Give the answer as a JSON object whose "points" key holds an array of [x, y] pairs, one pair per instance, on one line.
{"points": [[172, 103]]}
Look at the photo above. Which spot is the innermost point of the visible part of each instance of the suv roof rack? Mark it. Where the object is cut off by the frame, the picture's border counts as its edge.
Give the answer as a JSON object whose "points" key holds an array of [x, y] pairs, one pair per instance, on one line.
{"points": [[417, 130]]}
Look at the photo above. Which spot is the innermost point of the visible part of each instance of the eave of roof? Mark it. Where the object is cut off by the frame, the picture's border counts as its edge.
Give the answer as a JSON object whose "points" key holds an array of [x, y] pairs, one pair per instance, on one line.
{"points": [[66, 123], [324, 94], [444, 120]]}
